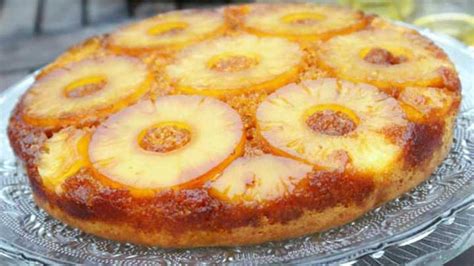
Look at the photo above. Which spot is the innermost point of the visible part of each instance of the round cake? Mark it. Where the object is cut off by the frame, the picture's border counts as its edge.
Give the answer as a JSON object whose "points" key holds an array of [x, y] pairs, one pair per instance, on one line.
{"points": [[235, 126]]}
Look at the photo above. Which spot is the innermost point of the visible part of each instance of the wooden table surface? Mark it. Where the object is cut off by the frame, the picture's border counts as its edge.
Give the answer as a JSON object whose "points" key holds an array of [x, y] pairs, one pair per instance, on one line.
{"points": [[23, 51]]}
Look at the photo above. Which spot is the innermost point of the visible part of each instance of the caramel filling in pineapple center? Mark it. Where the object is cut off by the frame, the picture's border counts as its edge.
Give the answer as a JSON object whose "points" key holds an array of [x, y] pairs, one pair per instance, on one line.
{"points": [[381, 56], [169, 28], [165, 137], [85, 86], [332, 120], [232, 62], [303, 18]]}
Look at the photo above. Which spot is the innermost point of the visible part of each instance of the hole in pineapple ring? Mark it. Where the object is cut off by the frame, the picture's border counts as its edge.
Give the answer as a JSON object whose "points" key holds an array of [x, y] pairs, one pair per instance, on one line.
{"points": [[168, 28], [232, 62], [85, 86], [331, 119], [385, 55], [303, 18], [165, 137]]}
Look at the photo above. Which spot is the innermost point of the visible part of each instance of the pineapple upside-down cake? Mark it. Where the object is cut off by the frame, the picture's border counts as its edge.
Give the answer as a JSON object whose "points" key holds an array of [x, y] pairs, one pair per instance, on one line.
{"points": [[235, 126]]}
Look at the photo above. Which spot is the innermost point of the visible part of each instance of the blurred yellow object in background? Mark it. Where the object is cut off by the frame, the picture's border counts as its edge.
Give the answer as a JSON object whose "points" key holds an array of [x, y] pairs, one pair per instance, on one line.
{"points": [[459, 25], [398, 10], [438, 15]]}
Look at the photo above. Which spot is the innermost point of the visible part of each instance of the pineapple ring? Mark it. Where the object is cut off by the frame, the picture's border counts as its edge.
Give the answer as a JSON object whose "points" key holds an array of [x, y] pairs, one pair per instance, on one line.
{"points": [[116, 154], [89, 88], [302, 21], [422, 103], [258, 179], [230, 65], [406, 58], [282, 121], [91, 47], [171, 30], [62, 156]]}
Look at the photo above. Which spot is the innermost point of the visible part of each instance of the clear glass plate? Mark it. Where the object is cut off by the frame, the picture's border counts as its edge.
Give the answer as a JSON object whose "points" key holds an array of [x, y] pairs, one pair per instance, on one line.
{"points": [[433, 222]]}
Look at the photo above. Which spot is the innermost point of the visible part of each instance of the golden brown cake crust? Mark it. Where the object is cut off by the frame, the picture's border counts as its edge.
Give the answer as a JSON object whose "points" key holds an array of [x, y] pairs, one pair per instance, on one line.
{"points": [[105, 214], [256, 232], [191, 216]]}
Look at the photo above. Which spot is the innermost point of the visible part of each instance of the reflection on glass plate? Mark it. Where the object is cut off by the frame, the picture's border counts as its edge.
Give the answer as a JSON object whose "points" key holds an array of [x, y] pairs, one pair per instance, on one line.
{"points": [[435, 221]]}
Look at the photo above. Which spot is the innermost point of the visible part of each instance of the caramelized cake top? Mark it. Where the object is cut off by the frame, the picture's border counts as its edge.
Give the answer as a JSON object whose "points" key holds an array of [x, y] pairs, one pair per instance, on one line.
{"points": [[217, 118]]}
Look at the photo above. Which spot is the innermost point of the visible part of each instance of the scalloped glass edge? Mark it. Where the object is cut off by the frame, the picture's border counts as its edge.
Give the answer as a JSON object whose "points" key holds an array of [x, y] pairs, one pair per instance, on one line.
{"points": [[372, 250]]}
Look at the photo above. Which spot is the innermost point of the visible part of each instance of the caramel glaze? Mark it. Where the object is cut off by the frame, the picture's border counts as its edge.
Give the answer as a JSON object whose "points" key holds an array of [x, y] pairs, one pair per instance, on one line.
{"points": [[85, 197], [176, 211], [424, 140], [195, 209]]}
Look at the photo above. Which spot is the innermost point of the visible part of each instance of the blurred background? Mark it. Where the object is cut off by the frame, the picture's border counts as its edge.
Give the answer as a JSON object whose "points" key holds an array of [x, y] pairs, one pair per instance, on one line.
{"points": [[34, 32]]}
